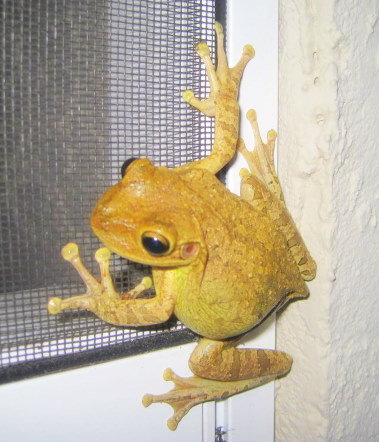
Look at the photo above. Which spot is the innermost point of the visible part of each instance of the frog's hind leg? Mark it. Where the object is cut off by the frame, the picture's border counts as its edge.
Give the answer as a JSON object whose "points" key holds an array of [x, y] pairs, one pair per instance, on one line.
{"points": [[261, 187], [221, 371]]}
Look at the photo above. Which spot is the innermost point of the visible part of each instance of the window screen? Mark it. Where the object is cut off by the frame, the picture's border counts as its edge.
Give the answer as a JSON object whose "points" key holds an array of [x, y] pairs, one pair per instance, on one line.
{"points": [[85, 85]]}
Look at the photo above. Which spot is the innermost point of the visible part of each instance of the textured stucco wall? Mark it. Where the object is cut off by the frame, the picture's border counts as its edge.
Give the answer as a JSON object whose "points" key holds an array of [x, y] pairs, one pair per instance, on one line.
{"points": [[328, 163]]}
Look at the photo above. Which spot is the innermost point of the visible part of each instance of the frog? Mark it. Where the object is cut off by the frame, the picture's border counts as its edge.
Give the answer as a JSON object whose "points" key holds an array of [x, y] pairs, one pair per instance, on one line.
{"points": [[221, 263]]}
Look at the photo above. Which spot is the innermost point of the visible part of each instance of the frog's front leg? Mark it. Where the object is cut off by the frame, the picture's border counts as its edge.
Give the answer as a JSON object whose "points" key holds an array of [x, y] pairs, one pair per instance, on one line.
{"points": [[221, 371], [102, 299], [221, 103]]}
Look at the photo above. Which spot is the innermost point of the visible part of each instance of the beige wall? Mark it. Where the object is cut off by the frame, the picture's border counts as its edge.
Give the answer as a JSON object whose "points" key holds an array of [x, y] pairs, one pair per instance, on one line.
{"points": [[328, 162]]}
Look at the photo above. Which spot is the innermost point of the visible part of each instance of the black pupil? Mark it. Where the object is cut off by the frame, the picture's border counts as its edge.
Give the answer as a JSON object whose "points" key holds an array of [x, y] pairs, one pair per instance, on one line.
{"points": [[154, 245], [126, 164]]}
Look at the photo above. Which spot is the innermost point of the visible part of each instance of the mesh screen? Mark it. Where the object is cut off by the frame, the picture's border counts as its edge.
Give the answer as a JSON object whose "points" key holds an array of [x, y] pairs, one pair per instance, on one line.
{"points": [[85, 85]]}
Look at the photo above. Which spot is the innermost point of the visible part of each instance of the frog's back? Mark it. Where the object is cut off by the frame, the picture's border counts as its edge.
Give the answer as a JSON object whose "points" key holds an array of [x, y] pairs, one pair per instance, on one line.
{"points": [[249, 270], [232, 216]]}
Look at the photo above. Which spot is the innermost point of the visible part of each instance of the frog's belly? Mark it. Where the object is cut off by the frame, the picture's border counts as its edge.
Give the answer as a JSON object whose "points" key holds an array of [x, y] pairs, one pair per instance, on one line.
{"points": [[220, 320]]}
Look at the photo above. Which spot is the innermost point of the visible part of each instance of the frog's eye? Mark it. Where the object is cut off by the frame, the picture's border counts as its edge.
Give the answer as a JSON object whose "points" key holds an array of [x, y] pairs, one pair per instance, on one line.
{"points": [[126, 164], [155, 243]]}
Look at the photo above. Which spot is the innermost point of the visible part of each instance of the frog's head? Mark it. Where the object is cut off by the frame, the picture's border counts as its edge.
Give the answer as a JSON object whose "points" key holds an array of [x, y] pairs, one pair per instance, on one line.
{"points": [[147, 217]]}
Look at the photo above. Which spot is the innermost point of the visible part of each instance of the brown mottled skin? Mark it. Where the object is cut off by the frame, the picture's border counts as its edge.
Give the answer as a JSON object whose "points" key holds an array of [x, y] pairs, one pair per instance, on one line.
{"points": [[228, 261]]}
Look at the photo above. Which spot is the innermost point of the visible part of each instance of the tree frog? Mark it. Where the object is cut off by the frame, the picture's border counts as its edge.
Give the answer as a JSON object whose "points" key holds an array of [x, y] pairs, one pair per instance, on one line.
{"points": [[220, 262]]}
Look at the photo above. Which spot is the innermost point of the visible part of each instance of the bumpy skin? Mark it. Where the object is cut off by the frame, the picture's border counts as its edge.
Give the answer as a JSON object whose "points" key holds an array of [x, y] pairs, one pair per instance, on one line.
{"points": [[229, 261]]}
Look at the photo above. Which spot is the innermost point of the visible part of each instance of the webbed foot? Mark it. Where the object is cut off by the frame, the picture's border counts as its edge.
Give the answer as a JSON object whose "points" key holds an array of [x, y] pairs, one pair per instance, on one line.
{"points": [[195, 390], [222, 80], [101, 296], [261, 160], [221, 103]]}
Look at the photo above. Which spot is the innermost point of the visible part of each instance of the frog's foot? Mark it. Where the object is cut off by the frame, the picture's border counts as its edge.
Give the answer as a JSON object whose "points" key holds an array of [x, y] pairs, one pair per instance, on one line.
{"points": [[195, 390], [261, 160], [221, 103], [187, 393], [101, 296], [223, 80]]}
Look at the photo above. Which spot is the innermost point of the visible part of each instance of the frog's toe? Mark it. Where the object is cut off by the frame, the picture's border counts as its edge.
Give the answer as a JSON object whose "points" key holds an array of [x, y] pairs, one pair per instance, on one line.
{"points": [[188, 96], [272, 135], [102, 255], [202, 49], [251, 115], [218, 27], [206, 106], [147, 399], [248, 51], [70, 251], [54, 306], [169, 375], [181, 402], [244, 173]]}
